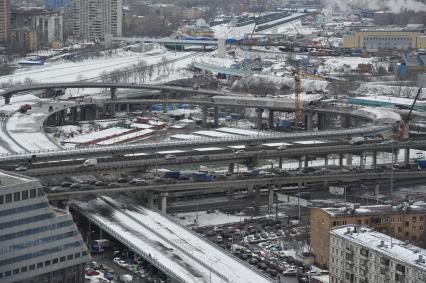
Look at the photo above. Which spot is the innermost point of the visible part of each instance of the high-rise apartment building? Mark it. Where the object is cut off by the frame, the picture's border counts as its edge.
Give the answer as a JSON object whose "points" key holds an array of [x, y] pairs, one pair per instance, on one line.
{"points": [[404, 222], [361, 255], [95, 18], [58, 4], [46, 24], [4, 20], [38, 243]]}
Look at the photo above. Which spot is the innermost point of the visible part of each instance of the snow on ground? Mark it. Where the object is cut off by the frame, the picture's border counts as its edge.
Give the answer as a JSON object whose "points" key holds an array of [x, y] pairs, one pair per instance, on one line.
{"points": [[189, 256], [381, 89], [339, 64], [227, 31], [221, 62], [97, 135], [26, 130], [291, 28], [207, 219], [308, 85], [72, 71], [383, 114]]}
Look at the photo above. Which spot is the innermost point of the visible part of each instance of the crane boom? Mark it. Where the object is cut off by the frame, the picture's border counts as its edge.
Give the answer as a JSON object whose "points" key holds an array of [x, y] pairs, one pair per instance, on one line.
{"points": [[414, 103], [297, 93]]}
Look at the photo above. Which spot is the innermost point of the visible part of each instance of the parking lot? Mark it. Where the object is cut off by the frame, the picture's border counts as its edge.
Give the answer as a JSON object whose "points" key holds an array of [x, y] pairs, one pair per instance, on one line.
{"points": [[121, 264], [270, 245]]}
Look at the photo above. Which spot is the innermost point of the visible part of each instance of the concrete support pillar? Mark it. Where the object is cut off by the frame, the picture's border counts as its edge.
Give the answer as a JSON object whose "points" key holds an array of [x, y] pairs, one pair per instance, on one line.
{"points": [[340, 160], [309, 125], [271, 119], [230, 193], [82, 116], [362, 158], [326, 160], [257, 201], [127, 108], [345, 121], [406, 156], [7, 99], [89, 115], [321, 121], [306, 161], [259, 112], [216, 116], [150, 199], [280, 162], [204, 117], [300, 163], [250, 189], [113, 93], [270, 199], [348, 159], [374, 158], [377, 190], [95, 113], [164, 202], [231, 168], [74, 114]]}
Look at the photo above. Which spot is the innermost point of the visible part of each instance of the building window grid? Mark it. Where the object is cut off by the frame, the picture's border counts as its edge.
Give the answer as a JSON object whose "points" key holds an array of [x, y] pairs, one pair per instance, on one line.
{"points": [[32, 267]]}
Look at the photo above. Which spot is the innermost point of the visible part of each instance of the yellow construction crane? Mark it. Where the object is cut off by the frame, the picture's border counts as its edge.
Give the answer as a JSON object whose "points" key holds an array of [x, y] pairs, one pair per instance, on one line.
{"points": [[297, 93], [298, 90]]}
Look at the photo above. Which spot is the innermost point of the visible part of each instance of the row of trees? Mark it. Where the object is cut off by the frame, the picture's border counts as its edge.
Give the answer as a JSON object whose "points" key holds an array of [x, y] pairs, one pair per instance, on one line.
{"points": [[139, 73]]}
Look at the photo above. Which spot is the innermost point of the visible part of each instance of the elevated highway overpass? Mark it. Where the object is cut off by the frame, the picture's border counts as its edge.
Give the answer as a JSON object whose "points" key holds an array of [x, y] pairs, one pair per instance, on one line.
{"points": [[182, 255], [93, 152], [226, 156], [248, 182]]}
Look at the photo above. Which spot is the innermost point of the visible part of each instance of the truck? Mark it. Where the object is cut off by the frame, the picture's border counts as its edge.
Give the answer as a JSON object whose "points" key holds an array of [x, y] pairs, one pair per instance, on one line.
{"points": [[172, 174], [201, 177], [96, 249], [103, 243], [90, 162], [421, 163]]}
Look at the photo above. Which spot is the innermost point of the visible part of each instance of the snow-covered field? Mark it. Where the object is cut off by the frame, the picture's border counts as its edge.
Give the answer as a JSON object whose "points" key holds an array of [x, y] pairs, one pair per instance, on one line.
{"points": [[67, 71], [341, 64]]}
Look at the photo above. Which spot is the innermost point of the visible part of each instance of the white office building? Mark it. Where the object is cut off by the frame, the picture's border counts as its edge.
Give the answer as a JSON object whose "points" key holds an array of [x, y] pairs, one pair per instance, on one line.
{"points": [[38, 243], [95, 18], [361, 255]]}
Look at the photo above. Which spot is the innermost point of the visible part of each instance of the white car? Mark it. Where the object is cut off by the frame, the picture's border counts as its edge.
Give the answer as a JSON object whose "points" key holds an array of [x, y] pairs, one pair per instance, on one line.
{"points": [[116, 259], [21, 168], [122, 263], [282, 147]]}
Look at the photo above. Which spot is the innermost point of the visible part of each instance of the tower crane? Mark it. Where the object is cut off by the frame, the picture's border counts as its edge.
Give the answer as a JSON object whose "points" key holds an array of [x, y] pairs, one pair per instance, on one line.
{"points": [[298, 90]]}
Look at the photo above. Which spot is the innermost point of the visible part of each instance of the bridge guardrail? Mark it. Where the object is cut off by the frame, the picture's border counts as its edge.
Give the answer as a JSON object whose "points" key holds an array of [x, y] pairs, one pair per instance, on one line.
{"points": [[150, 145]]}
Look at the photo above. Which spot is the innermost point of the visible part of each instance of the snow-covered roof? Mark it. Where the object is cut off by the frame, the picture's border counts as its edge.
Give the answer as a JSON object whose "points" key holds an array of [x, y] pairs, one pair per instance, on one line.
{"points": [[383, 244], [376, 209], [187, 255], [97, 135], [213, 134]]}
